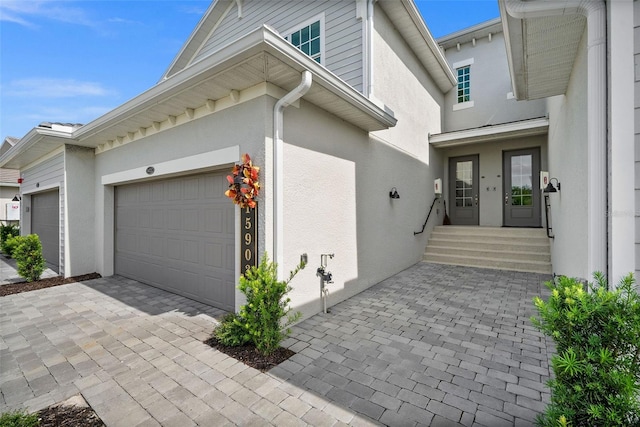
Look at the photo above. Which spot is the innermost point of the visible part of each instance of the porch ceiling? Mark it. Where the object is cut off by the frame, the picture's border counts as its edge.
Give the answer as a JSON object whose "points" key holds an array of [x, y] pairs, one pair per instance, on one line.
{"points": [[541, 49], [259, 57], [520, 129]]}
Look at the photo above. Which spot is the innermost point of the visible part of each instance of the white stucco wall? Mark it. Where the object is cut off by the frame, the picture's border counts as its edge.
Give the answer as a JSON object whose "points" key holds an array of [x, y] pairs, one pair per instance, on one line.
{"points": [[490, 84], [79, 214], [567, 162], [491, 188], [337, 181], [402, 84]]}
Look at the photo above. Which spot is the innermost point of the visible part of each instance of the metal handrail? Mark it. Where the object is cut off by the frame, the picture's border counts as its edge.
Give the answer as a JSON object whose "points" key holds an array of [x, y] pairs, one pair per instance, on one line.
{"points": [[415, 233], [547, 208]]}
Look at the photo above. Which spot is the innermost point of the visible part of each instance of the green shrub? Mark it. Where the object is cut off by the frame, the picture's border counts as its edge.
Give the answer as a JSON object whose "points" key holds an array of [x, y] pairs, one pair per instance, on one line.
{"points": [[10, 245], [28, 255], [597, 366], [230, 331], [19, 419], [260, 320], [6, 233]]}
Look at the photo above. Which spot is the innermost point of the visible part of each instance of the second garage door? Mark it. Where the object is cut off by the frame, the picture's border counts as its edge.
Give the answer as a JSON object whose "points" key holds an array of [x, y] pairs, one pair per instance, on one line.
{"points": [[178, 234], [45, 222]]}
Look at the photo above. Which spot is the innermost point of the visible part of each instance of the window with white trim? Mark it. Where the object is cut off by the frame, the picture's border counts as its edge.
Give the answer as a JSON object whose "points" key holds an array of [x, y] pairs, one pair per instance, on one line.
{"points": [[309, 38], [464, 84]]}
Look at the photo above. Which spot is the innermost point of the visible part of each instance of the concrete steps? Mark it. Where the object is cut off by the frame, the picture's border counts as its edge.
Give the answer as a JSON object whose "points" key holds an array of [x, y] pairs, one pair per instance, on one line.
{"points": [[517, 249]]}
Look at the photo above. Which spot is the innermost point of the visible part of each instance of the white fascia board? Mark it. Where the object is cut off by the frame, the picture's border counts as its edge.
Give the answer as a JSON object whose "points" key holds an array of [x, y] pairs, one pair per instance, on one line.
{"points": [[34, 136], [516, 60], [490, 133], [191, 40], [416, 17], [261, 39]]}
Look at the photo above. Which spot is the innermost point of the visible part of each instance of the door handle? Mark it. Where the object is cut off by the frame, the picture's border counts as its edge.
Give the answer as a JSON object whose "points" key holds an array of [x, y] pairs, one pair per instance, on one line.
{"points": [[476, 200], [506, 198]]}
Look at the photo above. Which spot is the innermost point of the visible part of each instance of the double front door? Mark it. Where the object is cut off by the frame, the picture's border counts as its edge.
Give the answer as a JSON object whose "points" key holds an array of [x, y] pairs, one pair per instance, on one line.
{"points": [[521, 201]]}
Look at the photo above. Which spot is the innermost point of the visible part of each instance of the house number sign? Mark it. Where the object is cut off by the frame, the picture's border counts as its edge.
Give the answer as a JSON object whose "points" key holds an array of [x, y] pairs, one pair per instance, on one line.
{"points": [[249, 238]]}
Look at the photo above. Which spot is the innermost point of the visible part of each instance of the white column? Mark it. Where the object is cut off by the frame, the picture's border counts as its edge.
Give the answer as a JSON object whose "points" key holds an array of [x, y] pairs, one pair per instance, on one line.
{"points": [[621, 139]]}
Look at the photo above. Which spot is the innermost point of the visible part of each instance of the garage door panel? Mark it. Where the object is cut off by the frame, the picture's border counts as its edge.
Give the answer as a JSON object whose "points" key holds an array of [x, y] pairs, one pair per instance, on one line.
{"points": [[183, 243], [192, 190], [192, 251]]}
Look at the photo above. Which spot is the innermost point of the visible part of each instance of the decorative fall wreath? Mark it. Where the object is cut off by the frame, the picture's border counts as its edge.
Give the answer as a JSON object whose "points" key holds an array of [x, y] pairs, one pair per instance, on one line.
{"points": [[243, 183]]}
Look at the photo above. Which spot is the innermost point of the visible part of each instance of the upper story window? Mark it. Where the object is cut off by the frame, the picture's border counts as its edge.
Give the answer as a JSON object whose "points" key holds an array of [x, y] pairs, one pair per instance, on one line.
{"points": [[464, 89], [308, 37]]}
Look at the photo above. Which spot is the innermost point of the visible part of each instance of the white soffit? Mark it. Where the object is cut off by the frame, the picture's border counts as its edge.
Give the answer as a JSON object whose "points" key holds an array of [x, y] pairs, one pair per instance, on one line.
{"points": [[541, 52], [520, 129]]}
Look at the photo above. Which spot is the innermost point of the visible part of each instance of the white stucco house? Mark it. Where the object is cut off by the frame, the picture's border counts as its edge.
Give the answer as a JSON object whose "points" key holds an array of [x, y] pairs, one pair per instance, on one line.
{"points": [[339, 103]]}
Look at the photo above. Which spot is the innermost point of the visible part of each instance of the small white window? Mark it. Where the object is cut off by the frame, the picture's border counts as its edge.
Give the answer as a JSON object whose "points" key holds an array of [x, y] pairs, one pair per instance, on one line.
{"points": [[309, 38], [464, 84]]}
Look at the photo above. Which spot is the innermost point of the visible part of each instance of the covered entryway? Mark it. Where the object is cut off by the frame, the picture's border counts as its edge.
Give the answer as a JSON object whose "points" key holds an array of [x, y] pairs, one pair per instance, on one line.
{"points": [[45, 222], [178, 234]]}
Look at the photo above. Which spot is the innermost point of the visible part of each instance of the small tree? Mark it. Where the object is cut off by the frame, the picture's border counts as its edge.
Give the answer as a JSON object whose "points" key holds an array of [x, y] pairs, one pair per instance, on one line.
{"points": [[260, 320], [597, 366], [28, 255]]}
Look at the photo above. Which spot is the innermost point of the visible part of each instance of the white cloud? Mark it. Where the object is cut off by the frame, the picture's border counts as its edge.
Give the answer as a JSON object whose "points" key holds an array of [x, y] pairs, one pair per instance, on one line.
{"points": [[26, 12], [54, 88], [124, 21], [192, 10]]}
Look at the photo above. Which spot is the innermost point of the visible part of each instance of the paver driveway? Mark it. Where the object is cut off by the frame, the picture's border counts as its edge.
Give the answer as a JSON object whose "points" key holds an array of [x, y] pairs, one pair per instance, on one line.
{"points": [[433, 345]]}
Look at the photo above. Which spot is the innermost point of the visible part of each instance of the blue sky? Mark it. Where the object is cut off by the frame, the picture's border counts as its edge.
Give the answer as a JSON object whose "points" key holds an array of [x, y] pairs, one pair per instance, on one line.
{"points": [[72, 61]]}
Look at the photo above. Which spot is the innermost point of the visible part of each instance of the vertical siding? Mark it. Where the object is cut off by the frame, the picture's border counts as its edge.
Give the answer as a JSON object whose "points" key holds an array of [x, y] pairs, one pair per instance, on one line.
{"points": [[343, 32], [636, 87], [48, 175]]}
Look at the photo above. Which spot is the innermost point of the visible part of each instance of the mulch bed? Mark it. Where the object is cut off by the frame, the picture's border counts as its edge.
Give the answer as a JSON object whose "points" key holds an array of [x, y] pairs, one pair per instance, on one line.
{"points": [[16, 288], [68, 416], [248, 354]]}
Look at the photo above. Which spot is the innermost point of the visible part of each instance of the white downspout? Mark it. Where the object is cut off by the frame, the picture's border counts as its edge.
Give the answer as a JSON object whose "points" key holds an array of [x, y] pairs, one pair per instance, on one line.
{"points": [[369, 47], [595, 12], [278, 163]]}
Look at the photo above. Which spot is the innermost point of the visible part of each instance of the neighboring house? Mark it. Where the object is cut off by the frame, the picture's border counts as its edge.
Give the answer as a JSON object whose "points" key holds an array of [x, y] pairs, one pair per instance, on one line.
{"points": [[338, 103], [9, 187]]}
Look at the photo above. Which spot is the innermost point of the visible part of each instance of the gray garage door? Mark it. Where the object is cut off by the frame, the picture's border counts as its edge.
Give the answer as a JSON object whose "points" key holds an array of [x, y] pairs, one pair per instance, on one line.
{"points": [[178, 234], [45, 222]]}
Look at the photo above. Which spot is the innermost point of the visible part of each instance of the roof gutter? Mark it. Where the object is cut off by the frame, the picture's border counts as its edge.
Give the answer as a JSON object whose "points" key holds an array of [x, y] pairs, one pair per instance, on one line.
{"points": [[597, 153], [278, 165]]}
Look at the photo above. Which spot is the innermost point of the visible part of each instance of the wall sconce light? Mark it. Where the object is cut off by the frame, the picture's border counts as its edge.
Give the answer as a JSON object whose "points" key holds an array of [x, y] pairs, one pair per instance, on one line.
{"points": [[394, 193], [16, 198], [550, 188]]}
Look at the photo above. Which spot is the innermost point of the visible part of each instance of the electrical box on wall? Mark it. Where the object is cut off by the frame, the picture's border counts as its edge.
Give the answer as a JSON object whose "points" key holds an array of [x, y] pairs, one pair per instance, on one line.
{"points": [[544, 179], [437, 186]]}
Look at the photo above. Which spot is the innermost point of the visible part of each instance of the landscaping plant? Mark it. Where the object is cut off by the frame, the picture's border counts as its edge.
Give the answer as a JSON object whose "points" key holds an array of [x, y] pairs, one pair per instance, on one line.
{"points": [[596, 369], [28, 255], [260, 320], [19, 419], [6, 233]]}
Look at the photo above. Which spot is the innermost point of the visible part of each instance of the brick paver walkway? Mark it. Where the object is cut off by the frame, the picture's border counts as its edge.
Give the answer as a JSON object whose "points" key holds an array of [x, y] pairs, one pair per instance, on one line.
{"points": [[433, 345]]}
